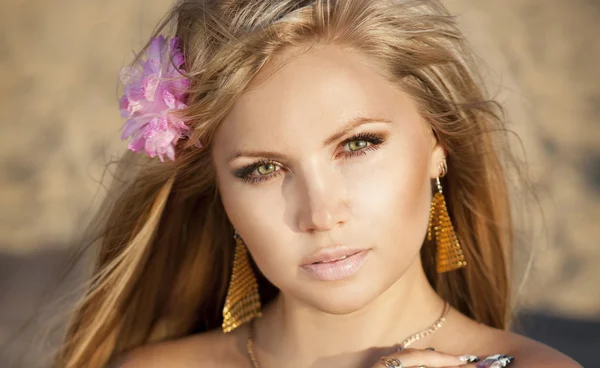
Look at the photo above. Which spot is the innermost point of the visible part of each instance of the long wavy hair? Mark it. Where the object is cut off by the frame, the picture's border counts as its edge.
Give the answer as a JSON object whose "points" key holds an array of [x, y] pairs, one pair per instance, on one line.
{"points": [[166, 244]]}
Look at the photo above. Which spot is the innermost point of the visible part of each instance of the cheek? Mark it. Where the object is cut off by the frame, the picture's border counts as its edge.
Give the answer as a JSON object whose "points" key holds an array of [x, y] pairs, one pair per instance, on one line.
{"points": [[391, 199], [259, 219]]}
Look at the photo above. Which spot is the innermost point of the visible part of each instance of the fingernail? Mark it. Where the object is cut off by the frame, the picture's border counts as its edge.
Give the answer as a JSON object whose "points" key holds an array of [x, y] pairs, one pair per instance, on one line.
{"points": [[502, 362], [468, 358], [495, 361], [432, 349]]}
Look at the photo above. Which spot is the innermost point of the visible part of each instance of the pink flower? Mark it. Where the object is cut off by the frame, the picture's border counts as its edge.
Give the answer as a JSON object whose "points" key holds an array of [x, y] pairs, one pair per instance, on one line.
{"points": [[154, 88]]}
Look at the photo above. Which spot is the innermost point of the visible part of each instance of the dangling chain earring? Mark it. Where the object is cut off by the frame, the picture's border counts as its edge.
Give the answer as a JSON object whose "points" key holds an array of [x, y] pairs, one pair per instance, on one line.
{"points": [[242, 303], [449, 255]]}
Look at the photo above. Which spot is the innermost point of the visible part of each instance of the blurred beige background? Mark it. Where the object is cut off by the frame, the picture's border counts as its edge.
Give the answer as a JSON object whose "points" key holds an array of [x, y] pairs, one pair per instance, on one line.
{"points": [[59, 62]]}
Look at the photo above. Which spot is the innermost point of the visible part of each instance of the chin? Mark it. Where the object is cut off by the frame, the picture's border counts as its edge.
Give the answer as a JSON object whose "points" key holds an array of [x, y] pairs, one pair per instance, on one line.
{"points": [[342, 298]]}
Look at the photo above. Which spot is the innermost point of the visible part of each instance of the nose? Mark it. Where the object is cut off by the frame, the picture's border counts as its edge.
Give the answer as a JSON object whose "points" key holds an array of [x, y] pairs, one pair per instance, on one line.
{"points": [[323, 201]]}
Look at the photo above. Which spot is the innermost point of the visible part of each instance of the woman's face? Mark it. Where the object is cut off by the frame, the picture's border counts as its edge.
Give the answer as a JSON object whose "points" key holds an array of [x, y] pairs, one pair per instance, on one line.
{"points": [[301, 187]]}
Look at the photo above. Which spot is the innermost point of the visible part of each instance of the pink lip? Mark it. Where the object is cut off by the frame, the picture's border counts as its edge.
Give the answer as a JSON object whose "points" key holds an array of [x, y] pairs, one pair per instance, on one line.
{"points": [[336, 263]]}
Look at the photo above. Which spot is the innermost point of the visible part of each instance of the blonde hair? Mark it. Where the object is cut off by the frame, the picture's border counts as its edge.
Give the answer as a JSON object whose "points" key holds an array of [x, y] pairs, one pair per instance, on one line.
{"points": [[166, 242]]}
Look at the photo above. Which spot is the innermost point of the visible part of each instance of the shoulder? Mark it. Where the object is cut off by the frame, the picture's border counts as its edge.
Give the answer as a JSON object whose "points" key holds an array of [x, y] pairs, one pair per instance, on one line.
{"points": [[527, 352], [205, 350], [467, 335]]}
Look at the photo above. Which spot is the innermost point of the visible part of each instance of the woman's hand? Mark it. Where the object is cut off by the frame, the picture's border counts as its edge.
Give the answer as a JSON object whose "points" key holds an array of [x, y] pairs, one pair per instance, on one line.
{"points": [[414, 358]]}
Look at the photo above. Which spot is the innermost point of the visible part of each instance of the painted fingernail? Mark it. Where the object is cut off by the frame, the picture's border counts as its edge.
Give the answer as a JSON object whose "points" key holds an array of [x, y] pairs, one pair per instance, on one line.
{"points": [[468, 358], [432, 349], [495, 361]]}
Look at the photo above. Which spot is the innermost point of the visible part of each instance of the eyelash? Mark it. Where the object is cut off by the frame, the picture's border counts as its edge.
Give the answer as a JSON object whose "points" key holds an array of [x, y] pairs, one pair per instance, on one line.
{"points": [[375, 141]]}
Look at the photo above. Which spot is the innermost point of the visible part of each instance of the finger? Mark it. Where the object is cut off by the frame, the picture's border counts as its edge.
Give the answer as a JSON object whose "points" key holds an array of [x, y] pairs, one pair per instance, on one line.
{"points": [[414, 358]]}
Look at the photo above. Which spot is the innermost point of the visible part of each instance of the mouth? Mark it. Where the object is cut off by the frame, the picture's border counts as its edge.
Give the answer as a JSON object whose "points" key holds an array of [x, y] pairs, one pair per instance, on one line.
{"points": [[336, 259], [337, 263], [330, 254]]}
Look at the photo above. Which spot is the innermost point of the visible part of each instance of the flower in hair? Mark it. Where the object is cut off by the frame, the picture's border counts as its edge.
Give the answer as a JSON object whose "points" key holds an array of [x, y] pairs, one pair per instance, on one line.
{"points": [[154, 89]]}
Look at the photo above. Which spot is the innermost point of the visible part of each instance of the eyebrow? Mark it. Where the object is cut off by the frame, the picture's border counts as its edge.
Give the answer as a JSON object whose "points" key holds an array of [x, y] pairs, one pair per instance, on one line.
{"points": [[351, 125]]}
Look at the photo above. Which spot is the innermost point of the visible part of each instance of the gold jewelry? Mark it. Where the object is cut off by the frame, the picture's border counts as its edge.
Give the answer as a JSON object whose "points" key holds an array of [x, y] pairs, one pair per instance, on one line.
{"points": [[436, 325], [249, 348], [242, 303], [449, 254], [409, 340]]}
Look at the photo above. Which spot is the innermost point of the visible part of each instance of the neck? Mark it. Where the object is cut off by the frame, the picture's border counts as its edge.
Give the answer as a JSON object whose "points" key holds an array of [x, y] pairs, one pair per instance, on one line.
{"points": [[290, 331]]}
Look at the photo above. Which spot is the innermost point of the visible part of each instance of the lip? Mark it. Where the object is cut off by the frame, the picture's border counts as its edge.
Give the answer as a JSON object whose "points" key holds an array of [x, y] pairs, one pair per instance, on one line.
{"points": [[335, 263]]}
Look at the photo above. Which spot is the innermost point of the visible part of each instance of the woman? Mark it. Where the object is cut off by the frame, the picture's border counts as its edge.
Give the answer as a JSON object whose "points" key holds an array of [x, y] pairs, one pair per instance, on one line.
{"points": [[330, 191]]}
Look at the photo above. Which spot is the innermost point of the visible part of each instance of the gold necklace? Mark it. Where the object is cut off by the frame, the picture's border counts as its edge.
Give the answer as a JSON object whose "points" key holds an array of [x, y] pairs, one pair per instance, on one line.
{"points": [[409, 340]]}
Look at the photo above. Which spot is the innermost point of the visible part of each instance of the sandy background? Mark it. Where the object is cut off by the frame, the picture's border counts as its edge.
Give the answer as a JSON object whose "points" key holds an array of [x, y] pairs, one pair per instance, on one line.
{"points": [[59, 62]]}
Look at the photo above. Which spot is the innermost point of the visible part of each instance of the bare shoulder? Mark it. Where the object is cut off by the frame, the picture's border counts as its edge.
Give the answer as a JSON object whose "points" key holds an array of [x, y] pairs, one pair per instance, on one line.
{"points": [[204, 350], [468, 336], [527, 352]]}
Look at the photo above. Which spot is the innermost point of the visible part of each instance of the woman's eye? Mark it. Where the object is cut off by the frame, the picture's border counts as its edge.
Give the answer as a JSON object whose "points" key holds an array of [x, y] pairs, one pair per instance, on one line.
{"points": [[259, 171], [362, 143], [266, 169], [358, 144]]}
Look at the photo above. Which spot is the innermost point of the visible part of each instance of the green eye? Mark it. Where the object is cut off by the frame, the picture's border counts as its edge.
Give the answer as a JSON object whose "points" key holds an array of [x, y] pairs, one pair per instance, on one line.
{"points": [[265, 169], [357, 145]]}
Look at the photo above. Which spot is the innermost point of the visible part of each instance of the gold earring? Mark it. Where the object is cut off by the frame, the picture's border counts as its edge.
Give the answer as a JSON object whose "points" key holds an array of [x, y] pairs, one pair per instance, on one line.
{"points": [[242, 303], [449, 254]]}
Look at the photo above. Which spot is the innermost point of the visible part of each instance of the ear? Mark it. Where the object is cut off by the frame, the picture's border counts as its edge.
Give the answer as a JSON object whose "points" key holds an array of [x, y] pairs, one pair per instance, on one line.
{"points": [[437, 154]]}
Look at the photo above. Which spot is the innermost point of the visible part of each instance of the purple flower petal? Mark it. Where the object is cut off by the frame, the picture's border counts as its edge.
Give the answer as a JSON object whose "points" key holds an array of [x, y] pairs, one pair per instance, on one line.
{"points": [[124, 107], [133, 125], [169, 99], [149, 86], [156, 48], [153, 89], [170, 152], [129, 74], [137, 144]]}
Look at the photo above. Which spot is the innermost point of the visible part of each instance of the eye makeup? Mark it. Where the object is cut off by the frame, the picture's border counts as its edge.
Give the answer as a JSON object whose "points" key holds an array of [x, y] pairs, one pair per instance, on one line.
{"points": [[252, 173]]}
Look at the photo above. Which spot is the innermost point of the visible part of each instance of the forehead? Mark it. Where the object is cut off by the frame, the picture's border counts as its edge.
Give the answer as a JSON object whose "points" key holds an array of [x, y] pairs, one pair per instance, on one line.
{"points": [[297, 94]]}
